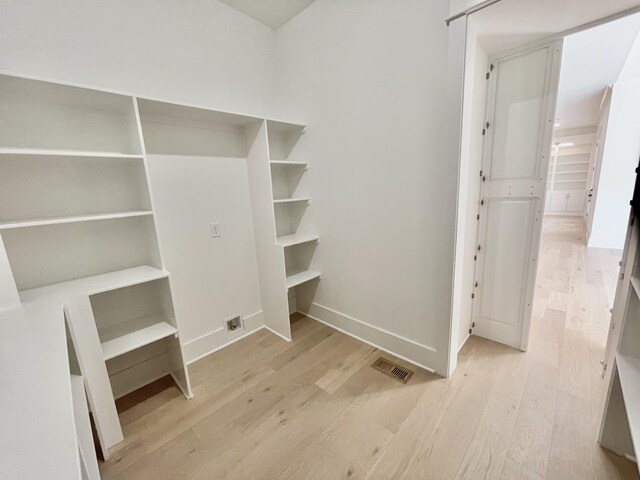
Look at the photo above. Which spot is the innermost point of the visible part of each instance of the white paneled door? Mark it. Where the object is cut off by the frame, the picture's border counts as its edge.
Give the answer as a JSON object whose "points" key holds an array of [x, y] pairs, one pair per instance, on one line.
{"points": [[518, 136]]}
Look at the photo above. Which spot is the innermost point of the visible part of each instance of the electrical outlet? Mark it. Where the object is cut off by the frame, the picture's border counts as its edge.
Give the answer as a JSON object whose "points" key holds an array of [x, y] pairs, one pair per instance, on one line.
{"points": [[234, 324], [216, 230]]}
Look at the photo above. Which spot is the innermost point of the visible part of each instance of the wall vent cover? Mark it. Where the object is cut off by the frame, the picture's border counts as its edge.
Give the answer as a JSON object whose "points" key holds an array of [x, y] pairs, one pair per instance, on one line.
{"points": [[392, 369]]}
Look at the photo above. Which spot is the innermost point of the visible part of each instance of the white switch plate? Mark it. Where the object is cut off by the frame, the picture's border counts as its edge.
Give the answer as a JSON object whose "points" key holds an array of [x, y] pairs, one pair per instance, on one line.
{"points": [[216, 230]]}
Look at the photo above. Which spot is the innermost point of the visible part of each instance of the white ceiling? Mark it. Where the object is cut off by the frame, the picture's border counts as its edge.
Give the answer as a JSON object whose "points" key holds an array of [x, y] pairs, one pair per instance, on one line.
{"points": [[591, 60], [510, 23], [273, 13]]}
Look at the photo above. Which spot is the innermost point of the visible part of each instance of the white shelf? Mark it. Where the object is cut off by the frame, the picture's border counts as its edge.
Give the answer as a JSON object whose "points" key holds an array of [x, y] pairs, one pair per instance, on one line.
{"points": [[296, 239], [629, 373], [301, 277], [286, 163], [580, 180], [73, 219], [572, 171], [572, 163], [94, 284], [291, 200], [141, 331], [66, 153]]}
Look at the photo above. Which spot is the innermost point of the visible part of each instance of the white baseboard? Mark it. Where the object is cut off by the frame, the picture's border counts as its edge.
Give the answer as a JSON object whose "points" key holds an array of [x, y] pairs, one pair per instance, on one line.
{"points": [[277, 334], [606, 242], [463, 342], [406, 349], [213, 341]]}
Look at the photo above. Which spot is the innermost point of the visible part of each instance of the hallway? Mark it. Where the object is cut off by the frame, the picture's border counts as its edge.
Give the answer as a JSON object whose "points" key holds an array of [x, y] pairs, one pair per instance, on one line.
{"points": [[575, 289]]}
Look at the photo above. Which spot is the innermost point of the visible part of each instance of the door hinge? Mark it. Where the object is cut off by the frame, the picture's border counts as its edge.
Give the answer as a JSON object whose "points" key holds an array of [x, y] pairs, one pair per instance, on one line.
{"points": [[491, 67], [475, 284], [482, 202], [488, 75], [479, 247], [622, 276], [480, 172], [478, 217], [487, 125], [475, 257], [473, 295], [483, 131]]}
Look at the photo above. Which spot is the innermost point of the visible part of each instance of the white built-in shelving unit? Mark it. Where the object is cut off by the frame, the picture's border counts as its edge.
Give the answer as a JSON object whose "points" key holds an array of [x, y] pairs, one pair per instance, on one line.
{"points": [[78, 227], [620, 429], [77, 230], [570, 174]]}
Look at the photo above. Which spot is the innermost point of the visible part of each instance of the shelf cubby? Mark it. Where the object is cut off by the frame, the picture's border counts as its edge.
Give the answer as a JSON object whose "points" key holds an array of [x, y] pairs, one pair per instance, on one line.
{"points": [[37, 189], [42, 115], [51, 254], [296, 239], [171, 129], [298, 278]]}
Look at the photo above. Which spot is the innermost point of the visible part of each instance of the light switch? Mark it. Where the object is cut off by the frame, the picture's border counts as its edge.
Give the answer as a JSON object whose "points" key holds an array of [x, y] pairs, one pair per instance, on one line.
{"points": [[216, 230]]}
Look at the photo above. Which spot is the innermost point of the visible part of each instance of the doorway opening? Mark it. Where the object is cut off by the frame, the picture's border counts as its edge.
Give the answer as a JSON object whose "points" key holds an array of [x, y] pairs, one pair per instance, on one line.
{"points": [[555, 155]]}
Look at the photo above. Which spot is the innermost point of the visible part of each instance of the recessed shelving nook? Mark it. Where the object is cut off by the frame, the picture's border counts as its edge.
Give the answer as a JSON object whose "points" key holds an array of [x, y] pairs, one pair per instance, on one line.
{"points": [[569, 176], [79, 226]]}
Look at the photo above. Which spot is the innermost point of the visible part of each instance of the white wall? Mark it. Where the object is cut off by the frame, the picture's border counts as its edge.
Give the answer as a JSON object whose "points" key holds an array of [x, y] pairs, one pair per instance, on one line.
{"points": [[470, 164], [369, 76], [201, 51], [212, 278], [620, 158]]}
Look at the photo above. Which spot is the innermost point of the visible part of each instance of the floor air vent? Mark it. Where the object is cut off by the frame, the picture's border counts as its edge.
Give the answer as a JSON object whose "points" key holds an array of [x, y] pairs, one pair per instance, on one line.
{"points": [[392, 369]]}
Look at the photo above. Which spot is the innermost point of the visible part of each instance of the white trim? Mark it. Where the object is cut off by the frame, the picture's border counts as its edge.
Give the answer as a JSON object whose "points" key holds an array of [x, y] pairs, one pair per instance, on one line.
{"points": [[605, 242], [464, 341], [211, 342], [353, 335], [408, 350], [276, 333]]}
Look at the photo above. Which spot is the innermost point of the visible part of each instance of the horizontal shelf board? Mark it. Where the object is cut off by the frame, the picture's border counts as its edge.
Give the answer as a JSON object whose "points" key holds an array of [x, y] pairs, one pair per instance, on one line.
{"points": [[286, 163], [572, 171], [144, 335], [296, 239], [629, 373], [572, 154], [301, 277], [572, 163], [73, 219], [580, 180], [94, 284], [291, 200], [66, 153]]}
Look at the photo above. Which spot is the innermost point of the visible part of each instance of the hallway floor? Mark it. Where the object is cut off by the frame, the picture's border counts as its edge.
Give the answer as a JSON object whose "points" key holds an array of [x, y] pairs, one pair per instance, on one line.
{"points": [[314, 409]]}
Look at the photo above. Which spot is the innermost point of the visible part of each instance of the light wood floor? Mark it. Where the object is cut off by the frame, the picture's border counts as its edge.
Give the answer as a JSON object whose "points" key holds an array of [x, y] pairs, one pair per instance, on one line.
{"points": [[314, 409]]}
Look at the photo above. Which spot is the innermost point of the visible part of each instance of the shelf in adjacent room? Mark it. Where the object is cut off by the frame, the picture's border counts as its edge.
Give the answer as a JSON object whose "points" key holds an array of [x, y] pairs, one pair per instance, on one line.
{"points": [[572, 163], [285, 163], [580, 180], [72, 219], [291, 200], [296, 239], [93, 284], [629, 373], [298, 278], [133, 334], [65, 153]]}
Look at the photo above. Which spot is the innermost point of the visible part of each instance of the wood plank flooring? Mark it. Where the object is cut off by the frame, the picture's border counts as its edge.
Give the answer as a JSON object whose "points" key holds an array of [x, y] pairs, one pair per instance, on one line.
{"points": [[315, 409]]}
